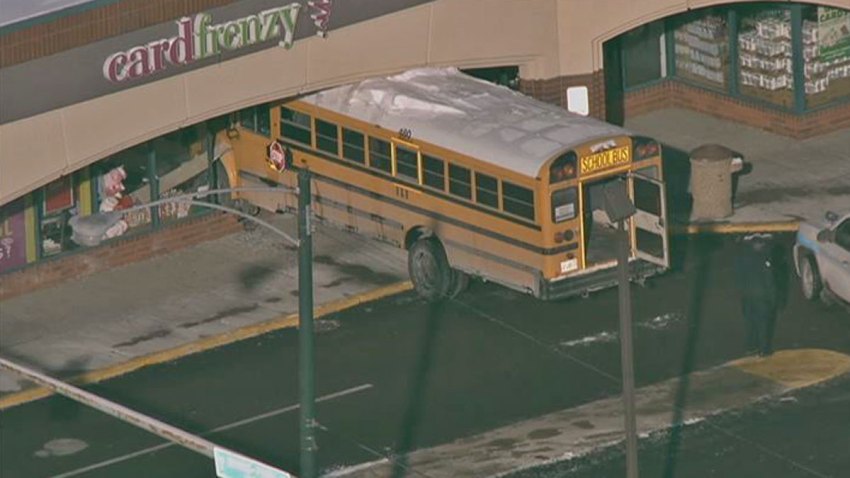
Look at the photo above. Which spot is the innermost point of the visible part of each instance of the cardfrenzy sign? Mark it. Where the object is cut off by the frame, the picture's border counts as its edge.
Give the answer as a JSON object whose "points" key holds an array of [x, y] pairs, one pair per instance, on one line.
{"points": [[605, 160], [198, 38]]}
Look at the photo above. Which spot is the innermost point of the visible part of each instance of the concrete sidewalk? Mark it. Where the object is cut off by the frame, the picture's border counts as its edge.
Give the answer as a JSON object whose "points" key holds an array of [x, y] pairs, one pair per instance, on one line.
{"points": [[574, 432], [790, 180], [189, 300]]}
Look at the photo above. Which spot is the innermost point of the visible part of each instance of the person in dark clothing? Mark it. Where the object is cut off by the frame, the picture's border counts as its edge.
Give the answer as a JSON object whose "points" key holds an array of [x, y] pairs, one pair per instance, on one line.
{"points": [[757, 281]]}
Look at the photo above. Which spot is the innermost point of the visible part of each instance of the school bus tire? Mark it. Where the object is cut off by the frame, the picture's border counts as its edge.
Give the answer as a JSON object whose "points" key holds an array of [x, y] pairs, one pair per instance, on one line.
{"points": [[429, 269], [459, 283]]}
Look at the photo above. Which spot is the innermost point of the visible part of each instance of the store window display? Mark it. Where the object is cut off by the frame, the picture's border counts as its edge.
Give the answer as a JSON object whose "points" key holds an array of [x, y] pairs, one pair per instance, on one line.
{"points": [[765, 54], [701, 46], [122, 182], [826, 52]]}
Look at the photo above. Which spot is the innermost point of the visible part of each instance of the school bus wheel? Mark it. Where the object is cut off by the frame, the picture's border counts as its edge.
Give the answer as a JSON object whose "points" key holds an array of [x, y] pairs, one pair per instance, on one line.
{"points": [[460, 281], [429, 269]]}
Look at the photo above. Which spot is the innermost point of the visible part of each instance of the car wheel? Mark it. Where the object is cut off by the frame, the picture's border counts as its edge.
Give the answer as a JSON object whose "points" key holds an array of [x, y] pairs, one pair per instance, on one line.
{"points": [[429, 269], [810, 282]]}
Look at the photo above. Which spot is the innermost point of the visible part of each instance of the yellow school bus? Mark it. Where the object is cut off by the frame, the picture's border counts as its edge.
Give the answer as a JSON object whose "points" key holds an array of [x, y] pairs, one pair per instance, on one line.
{"points": [[471, 178]]}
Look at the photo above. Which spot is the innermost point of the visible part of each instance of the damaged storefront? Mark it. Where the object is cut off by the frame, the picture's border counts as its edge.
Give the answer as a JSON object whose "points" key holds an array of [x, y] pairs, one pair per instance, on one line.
{"points": [[35, 227]]}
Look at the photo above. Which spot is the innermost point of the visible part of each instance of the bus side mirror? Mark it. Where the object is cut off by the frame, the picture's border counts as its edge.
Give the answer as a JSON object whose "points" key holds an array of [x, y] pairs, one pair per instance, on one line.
{"points": [[825, 235]]}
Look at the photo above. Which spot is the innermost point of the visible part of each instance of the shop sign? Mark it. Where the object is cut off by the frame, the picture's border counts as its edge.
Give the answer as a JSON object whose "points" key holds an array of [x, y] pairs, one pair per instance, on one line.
{"points": [[607, 159], [13, 247], [198, 38], [833, 33]]}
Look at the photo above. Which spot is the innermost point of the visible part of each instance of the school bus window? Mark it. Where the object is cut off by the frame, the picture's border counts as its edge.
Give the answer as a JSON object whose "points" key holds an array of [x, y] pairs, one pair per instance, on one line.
{"points": [[379, 155], [353, 146], [460, 181], [563, 168], [564, 204], [648, 197], [518, 200], [248, 118], [326, 137], [434, 174], [486, 190], [407, 164], [256, 119], [264, 122], [650, 172], [296, 126]]}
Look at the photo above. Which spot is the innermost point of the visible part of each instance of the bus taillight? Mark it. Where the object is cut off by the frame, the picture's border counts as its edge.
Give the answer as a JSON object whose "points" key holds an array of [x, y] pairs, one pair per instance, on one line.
{"points": [[562, 236], [645, 148]]}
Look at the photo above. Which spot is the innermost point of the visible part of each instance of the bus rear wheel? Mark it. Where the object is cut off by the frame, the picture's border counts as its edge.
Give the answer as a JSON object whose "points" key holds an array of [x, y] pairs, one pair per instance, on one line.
{"points": [[429, 269], [460, 281]]}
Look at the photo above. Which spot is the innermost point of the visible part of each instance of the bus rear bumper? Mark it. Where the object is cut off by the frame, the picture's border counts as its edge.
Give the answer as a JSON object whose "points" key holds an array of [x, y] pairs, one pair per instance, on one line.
{"points": [[602, 279]]}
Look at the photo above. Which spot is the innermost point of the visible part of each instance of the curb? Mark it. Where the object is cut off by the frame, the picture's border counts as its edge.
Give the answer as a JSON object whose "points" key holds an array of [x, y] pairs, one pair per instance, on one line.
{"points": [[207, 343], [734, 228]]}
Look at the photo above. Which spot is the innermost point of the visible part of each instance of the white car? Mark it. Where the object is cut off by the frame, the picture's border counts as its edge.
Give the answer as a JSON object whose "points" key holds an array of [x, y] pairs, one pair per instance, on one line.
{"points": [[822, 258]]}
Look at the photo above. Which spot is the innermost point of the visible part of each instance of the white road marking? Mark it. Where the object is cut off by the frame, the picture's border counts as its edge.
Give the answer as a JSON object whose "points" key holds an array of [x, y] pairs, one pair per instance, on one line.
{"points": [[222, 428]]}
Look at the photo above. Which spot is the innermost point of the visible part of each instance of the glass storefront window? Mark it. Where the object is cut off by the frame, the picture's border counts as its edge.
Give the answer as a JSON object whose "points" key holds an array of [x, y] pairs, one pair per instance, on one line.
{"points": [[826, 53], [765, 60], [642, 58], [701, 46], [57, 206]]}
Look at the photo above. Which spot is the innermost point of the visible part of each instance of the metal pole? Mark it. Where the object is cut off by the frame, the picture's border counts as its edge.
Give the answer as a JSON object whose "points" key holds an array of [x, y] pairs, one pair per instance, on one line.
{"points": [[164, 430], [153, 182], [306, 345], [626, 356]]}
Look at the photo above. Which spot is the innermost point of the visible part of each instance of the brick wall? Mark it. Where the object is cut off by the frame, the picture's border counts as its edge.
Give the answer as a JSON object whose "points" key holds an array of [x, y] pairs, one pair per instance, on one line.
{"points": [[677, 94], [672, 93], [554, 90], [118, 253], [64, 33]]}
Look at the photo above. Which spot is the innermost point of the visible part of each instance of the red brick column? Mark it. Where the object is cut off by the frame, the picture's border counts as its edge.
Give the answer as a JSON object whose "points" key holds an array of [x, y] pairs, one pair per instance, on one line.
{"points": [[554, 90]]}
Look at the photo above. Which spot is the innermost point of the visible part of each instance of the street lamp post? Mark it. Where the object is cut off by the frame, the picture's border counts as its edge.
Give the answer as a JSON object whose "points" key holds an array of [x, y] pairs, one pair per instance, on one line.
{"points": [[626, 352], [619, 208], [91, 230], [306, 343]]}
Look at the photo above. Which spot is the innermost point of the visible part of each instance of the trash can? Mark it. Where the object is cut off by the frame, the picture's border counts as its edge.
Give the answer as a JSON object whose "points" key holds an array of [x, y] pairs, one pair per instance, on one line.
{"points": [[711, 182]]}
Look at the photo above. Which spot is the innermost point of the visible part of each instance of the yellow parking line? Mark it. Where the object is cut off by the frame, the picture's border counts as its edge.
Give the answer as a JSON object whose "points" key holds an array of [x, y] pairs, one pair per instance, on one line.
{"points": [[207, 343], [735, 228], [796, 368]]}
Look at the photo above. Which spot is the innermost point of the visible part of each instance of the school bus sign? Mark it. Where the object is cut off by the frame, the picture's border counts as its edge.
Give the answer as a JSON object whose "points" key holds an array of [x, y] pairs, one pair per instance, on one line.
{"points": [[607, 159]]}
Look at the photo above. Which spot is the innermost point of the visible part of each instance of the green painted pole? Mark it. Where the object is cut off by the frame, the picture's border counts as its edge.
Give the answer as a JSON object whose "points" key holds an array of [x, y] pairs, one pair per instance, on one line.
{"points": [[798, 61], [306, 343], [734, 87], [153, 181], [626, 351], [209, 146]]}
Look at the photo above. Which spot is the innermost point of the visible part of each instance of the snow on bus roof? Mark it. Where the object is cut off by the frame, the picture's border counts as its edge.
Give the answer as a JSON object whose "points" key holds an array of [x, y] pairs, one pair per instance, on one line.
{"points": [[474, 117]]}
